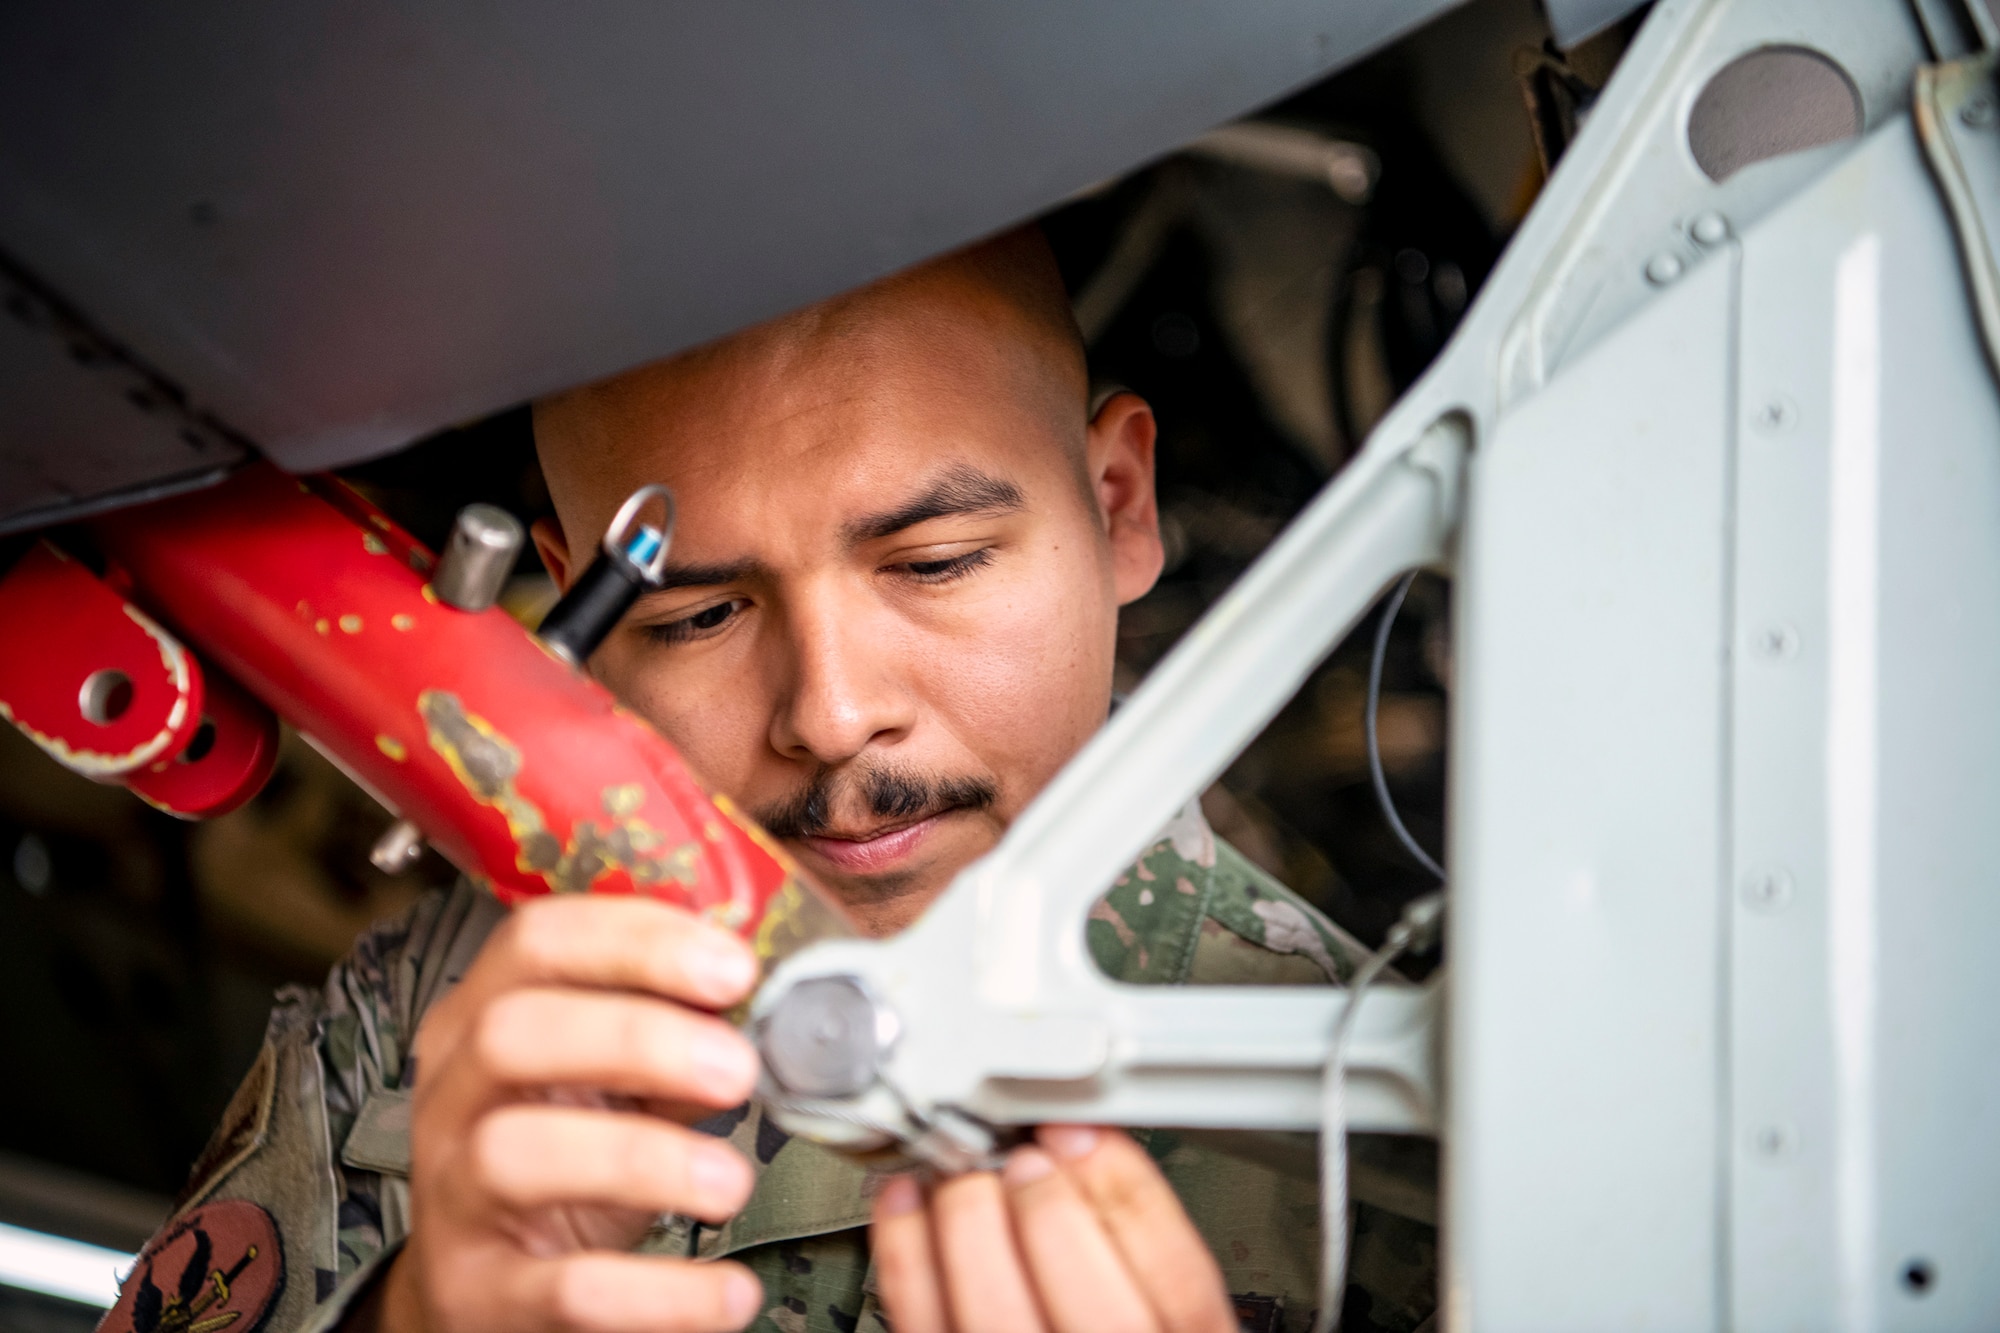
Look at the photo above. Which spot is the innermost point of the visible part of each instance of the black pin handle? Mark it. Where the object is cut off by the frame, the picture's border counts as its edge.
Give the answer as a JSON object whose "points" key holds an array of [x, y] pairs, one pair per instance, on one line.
{"points": [[631, 562]]}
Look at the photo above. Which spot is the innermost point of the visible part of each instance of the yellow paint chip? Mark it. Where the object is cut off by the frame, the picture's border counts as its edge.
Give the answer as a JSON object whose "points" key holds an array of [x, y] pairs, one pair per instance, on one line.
{"points": [[392, 747], [350, 624], [403, 621], [430, 596], [379, 521], [374, 545], [321, 625]]}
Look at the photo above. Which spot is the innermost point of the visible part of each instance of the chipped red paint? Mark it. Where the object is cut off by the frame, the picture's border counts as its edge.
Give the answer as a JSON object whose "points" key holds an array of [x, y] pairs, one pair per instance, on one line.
{"points": [[67, 626], [219, 770], [521, 770]]}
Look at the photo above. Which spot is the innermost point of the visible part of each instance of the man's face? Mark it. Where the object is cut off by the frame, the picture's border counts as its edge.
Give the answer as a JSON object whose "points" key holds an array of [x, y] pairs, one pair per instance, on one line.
{"points": [[895, 575]]}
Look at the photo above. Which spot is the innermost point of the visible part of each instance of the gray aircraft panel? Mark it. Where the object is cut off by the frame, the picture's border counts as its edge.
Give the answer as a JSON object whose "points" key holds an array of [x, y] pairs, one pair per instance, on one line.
{"points": [[340, 227]]}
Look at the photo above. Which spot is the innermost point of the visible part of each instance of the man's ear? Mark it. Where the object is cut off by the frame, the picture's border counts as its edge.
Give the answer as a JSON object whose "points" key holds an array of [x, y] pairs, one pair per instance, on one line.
{"points": [[1118, 456], [553, 550]]}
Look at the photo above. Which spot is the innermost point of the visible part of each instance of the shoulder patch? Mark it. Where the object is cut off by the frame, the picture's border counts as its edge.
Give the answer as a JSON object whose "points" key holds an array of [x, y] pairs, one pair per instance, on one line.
{"points": [[244, 1123], [215, 1268]]}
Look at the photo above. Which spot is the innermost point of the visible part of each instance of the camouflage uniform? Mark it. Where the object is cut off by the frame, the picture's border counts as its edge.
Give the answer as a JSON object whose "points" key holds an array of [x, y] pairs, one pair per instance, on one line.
{"points": [[319, 1132]]}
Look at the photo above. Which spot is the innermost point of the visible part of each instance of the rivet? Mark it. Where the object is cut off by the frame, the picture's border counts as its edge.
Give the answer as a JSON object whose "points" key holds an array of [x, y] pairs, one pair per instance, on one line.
{"points": [[1663, 268], [1710, 229], [1978, 113], [1776, 641], [1767, 890]]}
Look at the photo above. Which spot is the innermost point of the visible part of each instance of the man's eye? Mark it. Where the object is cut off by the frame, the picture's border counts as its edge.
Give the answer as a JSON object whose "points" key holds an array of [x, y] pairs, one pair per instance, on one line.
{"points": [[703, 622], [944, 571]]}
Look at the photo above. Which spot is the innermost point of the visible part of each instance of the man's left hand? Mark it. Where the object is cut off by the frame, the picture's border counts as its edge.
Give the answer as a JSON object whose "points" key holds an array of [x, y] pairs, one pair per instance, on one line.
{"points": [[1079, 1233]]}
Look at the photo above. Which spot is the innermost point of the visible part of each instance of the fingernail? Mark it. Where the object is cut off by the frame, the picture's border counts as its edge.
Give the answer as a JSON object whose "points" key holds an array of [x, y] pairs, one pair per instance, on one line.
{"points": [[1025, 1166], [900, 1196], [716, 1173], [726, 971], [742, 1296], [1068, 1142], [723, 1061]]}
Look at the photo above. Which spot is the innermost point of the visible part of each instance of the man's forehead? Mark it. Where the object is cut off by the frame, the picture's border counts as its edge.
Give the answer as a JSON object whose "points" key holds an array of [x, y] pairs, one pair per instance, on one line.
{"points": [[867, 393], [720, 544], [836, 450]]}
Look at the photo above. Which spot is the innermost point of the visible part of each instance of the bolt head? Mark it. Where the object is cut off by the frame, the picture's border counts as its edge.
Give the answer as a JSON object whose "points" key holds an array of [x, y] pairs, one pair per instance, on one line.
{"points": [[827, 1037], [1663, 268], [1978, 113]]}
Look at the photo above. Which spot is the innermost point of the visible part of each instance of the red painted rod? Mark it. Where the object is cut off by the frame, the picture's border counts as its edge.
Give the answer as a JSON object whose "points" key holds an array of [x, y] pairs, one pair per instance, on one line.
{"points": [[522, 771]]}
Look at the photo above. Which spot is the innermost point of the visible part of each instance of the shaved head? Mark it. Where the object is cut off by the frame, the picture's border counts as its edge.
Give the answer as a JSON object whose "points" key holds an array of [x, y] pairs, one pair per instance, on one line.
{"points": [[892, 595]]}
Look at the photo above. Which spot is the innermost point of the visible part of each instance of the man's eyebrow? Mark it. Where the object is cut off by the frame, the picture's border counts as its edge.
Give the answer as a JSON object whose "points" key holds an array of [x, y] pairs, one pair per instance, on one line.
{"points": [[707, 576], [961, 491]]}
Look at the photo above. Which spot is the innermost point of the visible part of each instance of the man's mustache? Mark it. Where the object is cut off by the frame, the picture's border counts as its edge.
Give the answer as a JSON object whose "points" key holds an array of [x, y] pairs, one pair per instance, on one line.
{"points": [[888, 793]]}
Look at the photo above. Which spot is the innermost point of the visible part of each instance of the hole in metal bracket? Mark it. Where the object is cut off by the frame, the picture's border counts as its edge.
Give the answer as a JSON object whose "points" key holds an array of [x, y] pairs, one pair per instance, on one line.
{"points": [[1769, 102], [106, 696]]}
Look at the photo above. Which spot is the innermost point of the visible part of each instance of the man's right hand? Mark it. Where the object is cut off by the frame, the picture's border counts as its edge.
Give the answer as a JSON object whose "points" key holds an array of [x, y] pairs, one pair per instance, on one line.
{"points": [[554, 1089]]}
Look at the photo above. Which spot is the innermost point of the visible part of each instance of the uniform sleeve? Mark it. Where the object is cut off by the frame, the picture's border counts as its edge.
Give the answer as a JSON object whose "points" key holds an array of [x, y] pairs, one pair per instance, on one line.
{"points": [[1256, 927], [316, 1138]]}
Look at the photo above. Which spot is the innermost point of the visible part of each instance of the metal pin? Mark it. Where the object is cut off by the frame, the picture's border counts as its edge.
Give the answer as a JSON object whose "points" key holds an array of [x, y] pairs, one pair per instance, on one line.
{"points": [[478, 557], [400, 847]]}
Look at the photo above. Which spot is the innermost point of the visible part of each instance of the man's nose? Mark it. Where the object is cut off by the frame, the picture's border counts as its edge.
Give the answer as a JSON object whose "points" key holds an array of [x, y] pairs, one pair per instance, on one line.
{"points": [[846, 690]]}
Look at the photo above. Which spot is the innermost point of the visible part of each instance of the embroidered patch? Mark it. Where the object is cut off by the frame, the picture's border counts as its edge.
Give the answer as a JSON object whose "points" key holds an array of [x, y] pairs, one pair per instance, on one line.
{"points": [[217, 1269]]}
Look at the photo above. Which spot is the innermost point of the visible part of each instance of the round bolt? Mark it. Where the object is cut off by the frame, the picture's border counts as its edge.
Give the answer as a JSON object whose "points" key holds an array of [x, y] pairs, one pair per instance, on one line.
{"points": [[1710, 229], [1663, 268], [1978, 113], [827, 1037], [1776, 641], [1776, 416], [1768, 890]]}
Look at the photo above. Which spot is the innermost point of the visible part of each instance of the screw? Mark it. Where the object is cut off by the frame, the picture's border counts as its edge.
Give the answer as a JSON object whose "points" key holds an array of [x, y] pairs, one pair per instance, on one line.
{"points": [[1710, 229], [1776, 641], [1663, 268], [1767, 890], [1977, 114], [1776, 416]]}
